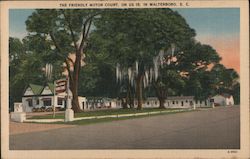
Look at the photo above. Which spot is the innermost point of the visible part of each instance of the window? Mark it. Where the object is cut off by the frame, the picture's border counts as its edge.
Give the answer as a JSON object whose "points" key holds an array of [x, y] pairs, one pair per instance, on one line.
{"points": [[155, 102], [186, 101], [196, 102], [176, 102], [59, 101], [30, 102], [200, 102], [37, 102], [47, 102], [173, 102], [147, 103], [205, 102], [182, 103], [191, 103]]}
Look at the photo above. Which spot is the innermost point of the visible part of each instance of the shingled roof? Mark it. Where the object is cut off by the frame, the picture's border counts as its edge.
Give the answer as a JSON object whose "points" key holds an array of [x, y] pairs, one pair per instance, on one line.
{"points": [[36, 89]]}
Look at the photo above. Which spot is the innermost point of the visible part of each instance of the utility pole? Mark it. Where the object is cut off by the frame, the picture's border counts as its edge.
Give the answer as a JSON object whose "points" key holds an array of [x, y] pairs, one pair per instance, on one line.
{"points": [[54, 100]]}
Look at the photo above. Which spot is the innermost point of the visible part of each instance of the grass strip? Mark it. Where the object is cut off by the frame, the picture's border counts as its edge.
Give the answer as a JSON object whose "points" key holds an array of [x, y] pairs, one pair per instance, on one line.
{"points": [[112, 119], [104, 113]]}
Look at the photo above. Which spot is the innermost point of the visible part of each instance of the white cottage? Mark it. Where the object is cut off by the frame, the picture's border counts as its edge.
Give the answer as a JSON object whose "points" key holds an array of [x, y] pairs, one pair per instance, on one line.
{"points": [[180, 102], [223, 100], [185, 102], [37, 96], [171, 102], [151, 102], [100, 102]]}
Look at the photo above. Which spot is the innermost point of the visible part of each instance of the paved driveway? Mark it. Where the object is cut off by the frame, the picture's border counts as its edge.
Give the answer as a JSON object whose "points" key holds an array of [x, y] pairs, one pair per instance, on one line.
{"points": [[217, 128]]}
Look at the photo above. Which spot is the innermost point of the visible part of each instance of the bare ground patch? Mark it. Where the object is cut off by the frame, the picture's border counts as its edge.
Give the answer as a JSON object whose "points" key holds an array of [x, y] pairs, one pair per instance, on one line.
{"points": [[19, 128]]}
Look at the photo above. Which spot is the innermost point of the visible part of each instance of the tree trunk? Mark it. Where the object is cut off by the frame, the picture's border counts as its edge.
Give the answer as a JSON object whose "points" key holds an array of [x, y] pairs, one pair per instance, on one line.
{"points": [[75, 101], [75, 82], [130, 98], [124, 104], [139, 91], [162, 101], [161, 95]]}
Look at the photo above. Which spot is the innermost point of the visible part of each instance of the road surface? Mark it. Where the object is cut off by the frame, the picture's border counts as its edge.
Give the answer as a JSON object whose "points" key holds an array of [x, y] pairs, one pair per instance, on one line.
{"points": [[217, 128]]}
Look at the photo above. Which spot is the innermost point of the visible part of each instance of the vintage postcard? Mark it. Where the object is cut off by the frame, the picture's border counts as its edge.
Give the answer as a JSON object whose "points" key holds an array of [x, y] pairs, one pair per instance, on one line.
{"points": [[125, 79]]}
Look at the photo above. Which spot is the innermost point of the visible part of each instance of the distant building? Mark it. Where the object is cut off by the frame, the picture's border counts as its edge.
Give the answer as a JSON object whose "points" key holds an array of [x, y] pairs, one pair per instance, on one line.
{"points": [[174, 102], [180, 102], [100, 102], [151, 102], [223, 100], [185, 102]]}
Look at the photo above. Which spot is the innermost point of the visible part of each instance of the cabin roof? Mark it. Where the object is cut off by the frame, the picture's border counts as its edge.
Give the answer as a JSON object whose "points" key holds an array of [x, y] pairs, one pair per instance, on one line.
{"points": [[99, 98], [180, 97], [37, 89], [152, 98]]}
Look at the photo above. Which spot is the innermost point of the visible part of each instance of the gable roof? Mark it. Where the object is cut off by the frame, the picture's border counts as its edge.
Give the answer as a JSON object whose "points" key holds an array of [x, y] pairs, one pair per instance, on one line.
{"points": [[36, 89], [51, 86]]}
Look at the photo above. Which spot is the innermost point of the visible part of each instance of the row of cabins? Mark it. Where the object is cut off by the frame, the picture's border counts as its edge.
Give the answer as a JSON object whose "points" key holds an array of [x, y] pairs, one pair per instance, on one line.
{"points": [[36, 96]]}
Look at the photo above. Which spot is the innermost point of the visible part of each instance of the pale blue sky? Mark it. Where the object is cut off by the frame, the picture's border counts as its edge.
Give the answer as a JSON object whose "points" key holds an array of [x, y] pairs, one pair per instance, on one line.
{"points": [[215, 21], [17, 18]]}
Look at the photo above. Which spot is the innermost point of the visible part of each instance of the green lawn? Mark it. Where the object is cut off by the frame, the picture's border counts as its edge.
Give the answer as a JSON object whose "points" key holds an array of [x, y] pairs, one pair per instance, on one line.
{"points": [[100, 113]]}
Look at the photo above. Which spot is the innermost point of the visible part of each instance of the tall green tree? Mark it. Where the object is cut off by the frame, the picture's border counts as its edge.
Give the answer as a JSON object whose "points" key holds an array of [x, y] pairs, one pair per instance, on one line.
{"points": [[225, 80], [97, 78], [25, 67], [236, 93], [16, 55], [67, 31], [194, 65]]}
